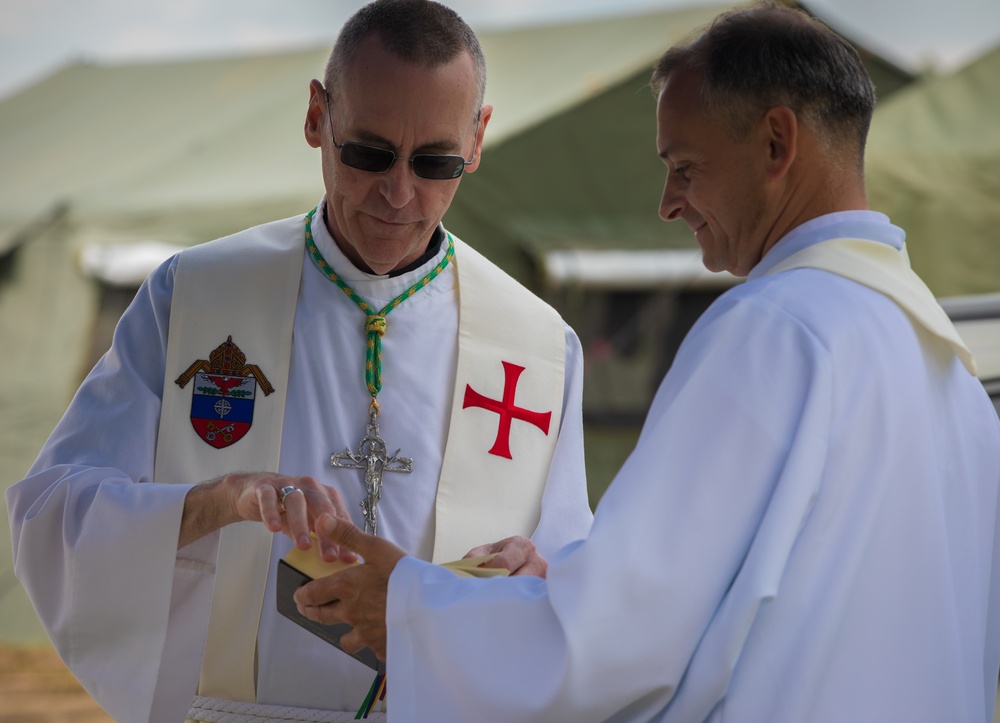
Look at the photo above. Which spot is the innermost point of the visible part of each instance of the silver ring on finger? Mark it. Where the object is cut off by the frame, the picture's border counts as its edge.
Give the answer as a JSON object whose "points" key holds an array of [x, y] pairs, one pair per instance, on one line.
{"points": [[285, 491]]}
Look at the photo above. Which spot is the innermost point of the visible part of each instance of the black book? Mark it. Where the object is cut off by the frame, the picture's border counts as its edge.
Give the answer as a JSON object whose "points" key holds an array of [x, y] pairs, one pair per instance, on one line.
{"points": [[302, 566], [290, 579]]}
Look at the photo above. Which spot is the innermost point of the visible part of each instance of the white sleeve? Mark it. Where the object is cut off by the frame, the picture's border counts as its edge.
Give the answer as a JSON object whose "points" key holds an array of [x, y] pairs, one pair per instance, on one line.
{"points": [[653, 607], [566, 515], [94, 540]]}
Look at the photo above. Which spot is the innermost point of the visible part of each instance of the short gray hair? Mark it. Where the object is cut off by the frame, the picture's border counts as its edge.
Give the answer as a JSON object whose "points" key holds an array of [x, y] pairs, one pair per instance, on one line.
{"points": [[420, 32], [756, 58]]}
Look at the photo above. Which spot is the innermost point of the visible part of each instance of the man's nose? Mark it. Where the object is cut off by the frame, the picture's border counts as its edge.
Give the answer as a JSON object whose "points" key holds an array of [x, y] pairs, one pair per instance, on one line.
{"points": [[672, 202], [398, 184]]}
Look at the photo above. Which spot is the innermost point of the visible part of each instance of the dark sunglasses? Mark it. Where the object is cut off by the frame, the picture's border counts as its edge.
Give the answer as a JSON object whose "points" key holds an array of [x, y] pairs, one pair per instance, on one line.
{"points": [[435, 166]]}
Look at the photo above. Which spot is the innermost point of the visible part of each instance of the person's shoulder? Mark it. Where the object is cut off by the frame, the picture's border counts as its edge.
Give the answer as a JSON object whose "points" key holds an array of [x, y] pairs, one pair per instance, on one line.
{"points": [[817, 296], [790, 299], [779, 291], [828, 309], [283, 232]]}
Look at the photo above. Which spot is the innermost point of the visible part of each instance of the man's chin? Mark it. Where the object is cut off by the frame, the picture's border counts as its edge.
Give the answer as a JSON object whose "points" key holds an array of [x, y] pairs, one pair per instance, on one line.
{"points": [[706, 257], [389, 262], [379, 268], [713, 263]]}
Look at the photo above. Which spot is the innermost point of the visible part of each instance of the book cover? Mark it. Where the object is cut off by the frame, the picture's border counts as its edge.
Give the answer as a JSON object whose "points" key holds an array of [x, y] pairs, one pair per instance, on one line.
{"points": [[301, 566]]}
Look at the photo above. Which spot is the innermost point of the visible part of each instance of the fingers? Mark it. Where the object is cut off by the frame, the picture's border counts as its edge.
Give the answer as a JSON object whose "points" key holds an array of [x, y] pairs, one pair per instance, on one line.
{"points": [[266, 497], [355, 596], [318, 599], [536, 565], [283, 507], [347, 537], [289, 504], [363, 634], [376, 551], [480, 551], [295, 506], [517, 554], [353, 641], [267, 500], [328, 550], [337, 502]]}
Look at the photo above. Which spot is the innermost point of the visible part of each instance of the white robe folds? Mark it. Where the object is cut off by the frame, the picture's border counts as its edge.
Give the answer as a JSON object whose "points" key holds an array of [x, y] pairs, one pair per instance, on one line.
{"points": [[805, 532], [97, 552]]}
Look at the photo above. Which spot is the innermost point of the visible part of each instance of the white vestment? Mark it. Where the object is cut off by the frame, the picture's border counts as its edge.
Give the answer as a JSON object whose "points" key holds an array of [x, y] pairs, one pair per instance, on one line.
{"points": [[97, 552], [805, 532]]}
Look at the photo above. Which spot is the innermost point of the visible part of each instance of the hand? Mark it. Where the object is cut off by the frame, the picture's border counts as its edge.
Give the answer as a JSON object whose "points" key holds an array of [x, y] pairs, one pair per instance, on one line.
{"points": [[356, 595], [517, 554], [256, 497]]}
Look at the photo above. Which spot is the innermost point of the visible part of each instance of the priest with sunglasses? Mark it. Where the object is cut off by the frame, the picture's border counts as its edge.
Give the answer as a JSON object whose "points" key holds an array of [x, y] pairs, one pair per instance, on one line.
{"points": [[356, 359]]}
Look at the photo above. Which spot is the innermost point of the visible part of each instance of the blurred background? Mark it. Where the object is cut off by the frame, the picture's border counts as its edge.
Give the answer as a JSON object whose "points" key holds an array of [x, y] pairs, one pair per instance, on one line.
{"points": [[130, 129]]}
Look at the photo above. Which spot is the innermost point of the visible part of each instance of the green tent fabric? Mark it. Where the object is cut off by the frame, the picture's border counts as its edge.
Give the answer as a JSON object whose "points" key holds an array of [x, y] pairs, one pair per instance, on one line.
{"points": [[180, 151], [933, 165], [186, 151]]}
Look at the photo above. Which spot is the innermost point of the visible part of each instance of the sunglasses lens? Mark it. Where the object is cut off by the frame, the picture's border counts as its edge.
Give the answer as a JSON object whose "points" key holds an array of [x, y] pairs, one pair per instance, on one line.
{"points": [[438, 166], [366, 158]]}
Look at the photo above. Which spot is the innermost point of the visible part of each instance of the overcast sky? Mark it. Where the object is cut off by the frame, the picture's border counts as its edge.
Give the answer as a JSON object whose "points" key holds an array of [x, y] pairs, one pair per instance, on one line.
{"points": [[39, 36]]}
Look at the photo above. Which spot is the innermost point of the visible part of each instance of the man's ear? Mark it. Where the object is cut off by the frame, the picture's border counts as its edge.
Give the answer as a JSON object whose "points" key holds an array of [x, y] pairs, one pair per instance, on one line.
{"points": [[780, 129], [314, 114], [484, 117]]}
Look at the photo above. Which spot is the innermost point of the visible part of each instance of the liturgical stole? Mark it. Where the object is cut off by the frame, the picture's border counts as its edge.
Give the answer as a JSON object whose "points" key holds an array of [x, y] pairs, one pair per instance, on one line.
{"points": [[887, 270], [493, 473]]}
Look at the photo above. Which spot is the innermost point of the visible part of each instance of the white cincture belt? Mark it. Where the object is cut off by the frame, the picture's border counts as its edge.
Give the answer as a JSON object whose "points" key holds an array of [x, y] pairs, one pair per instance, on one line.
{"points": [[218, 710]]}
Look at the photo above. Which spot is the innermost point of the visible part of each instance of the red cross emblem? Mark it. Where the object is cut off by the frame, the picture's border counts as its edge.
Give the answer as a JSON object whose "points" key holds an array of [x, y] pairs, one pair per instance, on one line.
{"points": [[507, 410]]}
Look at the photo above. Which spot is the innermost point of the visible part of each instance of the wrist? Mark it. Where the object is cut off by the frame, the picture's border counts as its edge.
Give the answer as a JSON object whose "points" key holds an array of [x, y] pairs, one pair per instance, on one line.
{"points": [[207, 507]]}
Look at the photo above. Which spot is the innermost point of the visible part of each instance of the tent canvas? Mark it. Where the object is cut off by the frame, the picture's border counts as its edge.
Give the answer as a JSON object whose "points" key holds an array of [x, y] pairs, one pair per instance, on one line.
{"points": [[933, 165]]}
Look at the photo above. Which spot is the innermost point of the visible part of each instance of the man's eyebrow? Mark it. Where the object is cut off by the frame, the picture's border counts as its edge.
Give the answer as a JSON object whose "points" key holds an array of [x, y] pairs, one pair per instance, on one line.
{"points": [[673, 150], [666, 153], [374, 138]]}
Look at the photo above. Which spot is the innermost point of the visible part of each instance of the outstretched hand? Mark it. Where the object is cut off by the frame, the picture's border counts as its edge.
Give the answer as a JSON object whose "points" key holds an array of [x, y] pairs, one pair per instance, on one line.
{"points": [[356, 595], [517, 554], [256, 496]]}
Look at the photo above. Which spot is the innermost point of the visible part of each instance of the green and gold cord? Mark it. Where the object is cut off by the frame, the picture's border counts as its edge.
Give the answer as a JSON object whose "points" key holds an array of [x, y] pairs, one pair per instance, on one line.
{"points": [[375, 323]]}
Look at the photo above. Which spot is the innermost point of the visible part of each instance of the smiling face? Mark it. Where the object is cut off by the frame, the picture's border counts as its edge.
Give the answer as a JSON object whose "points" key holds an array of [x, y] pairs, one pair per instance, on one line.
{"points": [[716, 185], [384, 221]]}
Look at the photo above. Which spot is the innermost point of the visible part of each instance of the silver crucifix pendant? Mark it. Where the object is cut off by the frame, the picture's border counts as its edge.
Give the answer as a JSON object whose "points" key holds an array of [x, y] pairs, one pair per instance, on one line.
{"points": [[372, 458]]}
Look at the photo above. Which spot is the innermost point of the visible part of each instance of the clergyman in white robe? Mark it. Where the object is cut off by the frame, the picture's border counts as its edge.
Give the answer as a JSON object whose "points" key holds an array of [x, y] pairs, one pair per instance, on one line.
{"points": [[95, 543], [806, 431]]}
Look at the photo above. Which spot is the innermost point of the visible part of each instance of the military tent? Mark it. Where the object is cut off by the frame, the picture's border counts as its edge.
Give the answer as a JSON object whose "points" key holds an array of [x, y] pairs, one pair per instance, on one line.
{"points": [[933, 165]]}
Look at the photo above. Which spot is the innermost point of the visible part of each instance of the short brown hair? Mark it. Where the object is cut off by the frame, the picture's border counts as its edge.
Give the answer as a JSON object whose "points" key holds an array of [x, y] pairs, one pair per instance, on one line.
{"points": [[756, 58], [416, 31]]}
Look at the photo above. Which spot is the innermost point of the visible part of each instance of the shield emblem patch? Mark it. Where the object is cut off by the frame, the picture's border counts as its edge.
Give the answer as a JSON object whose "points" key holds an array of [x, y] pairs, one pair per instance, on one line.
{"points": [[222, 407], [224, 391]]}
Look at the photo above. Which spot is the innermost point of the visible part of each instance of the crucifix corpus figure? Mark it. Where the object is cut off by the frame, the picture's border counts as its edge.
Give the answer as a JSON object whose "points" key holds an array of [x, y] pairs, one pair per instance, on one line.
{"points": [[372, 458]]}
